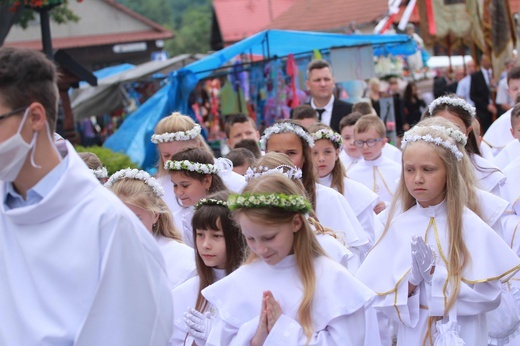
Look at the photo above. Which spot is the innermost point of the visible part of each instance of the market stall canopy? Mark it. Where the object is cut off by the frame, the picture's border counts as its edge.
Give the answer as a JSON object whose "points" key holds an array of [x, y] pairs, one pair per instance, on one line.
{"points": [[133, 137], [109, 93]]}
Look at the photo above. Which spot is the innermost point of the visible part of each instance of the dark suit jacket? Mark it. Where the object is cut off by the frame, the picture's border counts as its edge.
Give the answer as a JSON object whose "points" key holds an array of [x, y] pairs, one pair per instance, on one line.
{"points": [[479, 93], [339, 110]]}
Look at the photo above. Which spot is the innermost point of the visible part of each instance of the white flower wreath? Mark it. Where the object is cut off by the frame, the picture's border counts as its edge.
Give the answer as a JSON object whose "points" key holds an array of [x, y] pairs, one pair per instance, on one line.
{"points": [[185, 165], [456, 135], [289, 171], [136, 174], [284, 128], [453, 101], [177, 136], [328, 134], [410, 137], [100, 173], [210, 201]]}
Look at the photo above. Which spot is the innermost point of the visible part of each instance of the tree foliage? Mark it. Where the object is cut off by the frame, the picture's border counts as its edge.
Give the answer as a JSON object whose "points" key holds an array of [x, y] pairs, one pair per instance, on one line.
{"points": [[12, 12], [189, 19]]}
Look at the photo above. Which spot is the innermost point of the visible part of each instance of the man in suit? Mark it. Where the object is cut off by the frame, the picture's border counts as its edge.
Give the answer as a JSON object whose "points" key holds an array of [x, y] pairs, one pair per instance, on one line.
{"points": [[480, 93], [321, 86]]}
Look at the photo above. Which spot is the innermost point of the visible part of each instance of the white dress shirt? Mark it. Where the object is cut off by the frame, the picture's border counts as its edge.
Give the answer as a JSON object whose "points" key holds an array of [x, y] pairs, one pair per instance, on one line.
{"points": [[327, 115]]}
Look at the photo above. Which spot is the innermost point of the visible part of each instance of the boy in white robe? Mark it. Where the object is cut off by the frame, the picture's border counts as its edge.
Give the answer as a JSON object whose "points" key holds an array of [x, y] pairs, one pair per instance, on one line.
{"points": [[497, 136], [376, 171], [512, 149], [350, 155], [512, 172], [77, 267]]}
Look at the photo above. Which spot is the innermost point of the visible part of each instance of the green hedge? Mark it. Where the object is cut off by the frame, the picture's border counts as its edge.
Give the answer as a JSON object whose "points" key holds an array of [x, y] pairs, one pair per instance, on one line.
{"points": [[111, 160]]}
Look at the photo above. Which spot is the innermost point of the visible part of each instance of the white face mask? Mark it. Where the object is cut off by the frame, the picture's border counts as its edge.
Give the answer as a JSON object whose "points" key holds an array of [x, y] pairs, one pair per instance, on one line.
{"points": [[13, 153]]}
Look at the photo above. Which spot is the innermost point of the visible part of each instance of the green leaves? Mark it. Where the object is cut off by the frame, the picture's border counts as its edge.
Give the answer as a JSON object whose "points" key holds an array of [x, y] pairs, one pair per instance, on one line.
{"points": [[111, 160]]}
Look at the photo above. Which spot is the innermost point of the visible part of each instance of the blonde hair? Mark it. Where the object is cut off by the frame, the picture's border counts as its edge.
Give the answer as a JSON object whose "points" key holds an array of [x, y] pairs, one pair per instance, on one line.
{"points": [[91, 160], [370, 121], [272, 160], [338, 172], [455, 196], [137, 193], [305, 245], [466, 166], [176, 122], [308, 175]]}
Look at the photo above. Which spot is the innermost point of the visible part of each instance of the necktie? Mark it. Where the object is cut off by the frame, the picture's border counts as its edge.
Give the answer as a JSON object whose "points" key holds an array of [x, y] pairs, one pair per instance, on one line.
{"points": [[320, 112]]}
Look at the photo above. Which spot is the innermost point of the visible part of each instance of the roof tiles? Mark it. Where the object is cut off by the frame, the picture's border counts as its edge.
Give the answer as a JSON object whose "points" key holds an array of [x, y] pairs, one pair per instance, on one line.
{"points": [[239, 19], [319, 15]]}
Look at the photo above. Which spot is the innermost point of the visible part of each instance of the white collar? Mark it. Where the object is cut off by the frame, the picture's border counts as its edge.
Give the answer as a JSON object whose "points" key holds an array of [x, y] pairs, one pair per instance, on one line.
{"points": [[434, 210], [326, 180], [376, 162], [218, 273], [328, 106]]}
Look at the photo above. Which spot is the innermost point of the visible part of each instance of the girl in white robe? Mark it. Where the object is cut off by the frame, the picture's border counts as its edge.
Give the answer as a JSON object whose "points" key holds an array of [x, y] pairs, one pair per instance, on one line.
{"points": [[331, 173], [220, 249], [330, 241], [331, 207], [426, 296], [462, 114], [142, 194], [175, 133], [288, 292], [194, 176]]}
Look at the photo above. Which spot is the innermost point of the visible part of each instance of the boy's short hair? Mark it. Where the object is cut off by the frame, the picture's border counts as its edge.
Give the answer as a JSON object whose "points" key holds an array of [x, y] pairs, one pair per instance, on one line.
{"points": [[303, 112], [241, 156], [317, 64], [238, 118], [363, 108], [349, 120], [27, 76], [370, 121], [514, 73], [249, 144], [515, 114]]}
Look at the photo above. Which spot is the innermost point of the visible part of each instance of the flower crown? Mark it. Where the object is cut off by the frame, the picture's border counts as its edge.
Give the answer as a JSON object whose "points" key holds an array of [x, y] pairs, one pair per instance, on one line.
{"points": [[210, 201], [136, 174], [100, 173], [410, 137], [456, 135], [452, 101], [294, 203], [328, 134], [284, 128], [256, 172], [185, 165], [177, 136]]}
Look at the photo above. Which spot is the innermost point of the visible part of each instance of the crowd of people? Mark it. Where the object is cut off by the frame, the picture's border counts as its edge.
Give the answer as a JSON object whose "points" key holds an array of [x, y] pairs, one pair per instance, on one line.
{"points": [[315, 232]]}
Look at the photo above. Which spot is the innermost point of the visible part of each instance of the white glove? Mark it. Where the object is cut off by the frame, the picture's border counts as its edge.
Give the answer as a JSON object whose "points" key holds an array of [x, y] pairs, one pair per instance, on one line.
{"points": [[415, 274], [199, 324], [424, 257]]}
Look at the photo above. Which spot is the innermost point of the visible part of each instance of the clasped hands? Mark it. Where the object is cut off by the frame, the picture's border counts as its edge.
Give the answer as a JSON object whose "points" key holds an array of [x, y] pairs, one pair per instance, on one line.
{"points": [[269, 314], [423, 261]]}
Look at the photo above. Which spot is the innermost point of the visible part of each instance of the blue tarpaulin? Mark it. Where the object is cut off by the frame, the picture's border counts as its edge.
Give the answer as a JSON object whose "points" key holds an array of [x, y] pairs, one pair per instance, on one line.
{"points": [[133, 137], [109, 71]]}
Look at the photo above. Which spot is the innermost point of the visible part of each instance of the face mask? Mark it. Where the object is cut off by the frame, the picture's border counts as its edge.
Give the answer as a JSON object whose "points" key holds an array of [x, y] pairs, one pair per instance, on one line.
{"points": [[13, 153]]}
